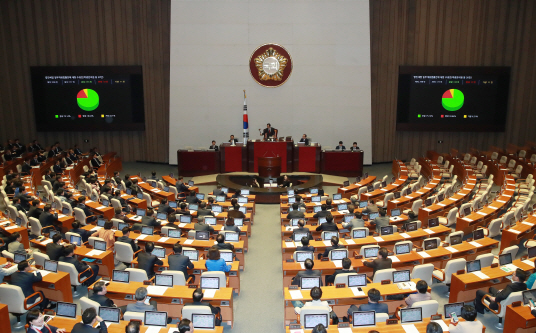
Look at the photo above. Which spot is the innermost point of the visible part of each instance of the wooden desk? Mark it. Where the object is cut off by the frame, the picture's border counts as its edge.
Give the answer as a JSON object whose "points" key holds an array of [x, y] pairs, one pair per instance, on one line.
{"points": [[521, 231], [12, 228], [463, 287], [198, 163], [406, 201], [233, 158], [347, 163], [352, 189], [112, 163], [282, 149], [173, 182], [307, 158], [56, 287], [68, 324], [173, 298], [519, 320], [4, 318]]}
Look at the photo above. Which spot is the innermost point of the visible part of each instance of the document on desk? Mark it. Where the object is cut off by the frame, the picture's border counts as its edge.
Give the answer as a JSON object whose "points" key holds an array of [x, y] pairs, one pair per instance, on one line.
{"points": [[378, 239], [394, 201], [209, 293], [345, 330], [156, 290], [163, 239], [441, 323], [101, 207], [97, 228], [423, 254], [527, 223], [173, 330], [428, 231], [182, 225], [394, 258], [141, 237], [43, 272], [136, 218], [408, 197], [94, 253], [514, 231], [188, 241], [327, 242], [501, 201], [349, 241], [410, 328], [357, 292], [344, 188], [295, 294], [427, 209], [451, 249], [481, 275], [528, 262], [441, 204], [152, 329], [302, 265], [482, 213], [337, 263], [384, 190], [290, 244], [475, 244], [509, 268], [467, 219], [405, 235], [46, 241], [296, 331]]}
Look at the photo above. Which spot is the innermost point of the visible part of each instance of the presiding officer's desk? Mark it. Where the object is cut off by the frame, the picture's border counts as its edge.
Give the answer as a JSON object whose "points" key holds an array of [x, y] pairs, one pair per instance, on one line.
{"points": [[68, 324], [463, 287], [173, 299], [199, 267], [344, 297], [519, 320]]}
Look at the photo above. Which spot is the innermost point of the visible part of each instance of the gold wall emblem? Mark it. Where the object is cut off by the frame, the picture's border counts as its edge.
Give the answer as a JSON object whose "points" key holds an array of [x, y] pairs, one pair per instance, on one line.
{"points": [[271, 65]]}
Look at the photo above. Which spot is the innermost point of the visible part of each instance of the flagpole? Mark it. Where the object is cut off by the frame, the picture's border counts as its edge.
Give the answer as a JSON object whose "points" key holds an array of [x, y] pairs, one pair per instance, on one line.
{"points": [[245, 120]]}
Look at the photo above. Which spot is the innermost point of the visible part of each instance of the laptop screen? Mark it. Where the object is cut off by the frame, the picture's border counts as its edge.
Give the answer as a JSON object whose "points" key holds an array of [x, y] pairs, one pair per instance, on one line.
{"points": [[357, 179], [161, 216], [316, 199], [202, 235], [529, 295], [401, 276], [473, 266], [243, 209], [238, 221], [244, 192], [531, 251], [129, 191], [373, 216], [17, 257], [337, 196], [291, 200], [231, 236], [329, 234], [440, 197], [203, 321], [51, 266], [359, 233], [411, 226], [357, 280], [348, 218], [244, 200], [139, 195], [338, 254], [410, 315], [66, 310], [428, 202], [363, 204], [140, 212], [172, 204], [387, 230], [217, 208], [192, 254], [110, 314], [160, 252], [316, 209], [293, 222], [433, 222], [467, 211], [478, 234], [395, 212], [313, 191], [310, 282], [364, 318], [371, 252], [220, 198], [397, 195], [163, 280], [18, 221], [342, 207], [384, 183], [456, 239], [190, 183], [346, 183], [227, 256], [185, 219], [99, 245], [147, 230], [200, 196], [121, 225], [105, 202], [65, 211], [210, 220], [402, 249], [430, 244], [301, 256], [453, 307], [193, 206], [290, 193], [155, 318], [299, 235], [121, 276], [311, 320], [166, 189], [210, 282], [175, 233], [76, 240]]}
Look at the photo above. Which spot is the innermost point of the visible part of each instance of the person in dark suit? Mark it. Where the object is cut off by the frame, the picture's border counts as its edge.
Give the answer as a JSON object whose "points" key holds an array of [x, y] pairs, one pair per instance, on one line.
{"points": [[25, 278], [269, 132], [183, 209], [305, 245], [179, 262], [172, 218], [87, 211], [26, 167], [17, 205], [301, 229], [164, 207], [213, 145], [334, 246], [381, 263], [124, 205], [47, 219], [346, 268], [203, 211], [305, 139], [340, 146], [85, 234], [15, 246], [355, 223], [235, 211], [218, 191], [77, 150], [99, 292], [373, 304], [295, 213], [140, 305], [147, 261], [55, 249], [354, 147], [201, 226], [232, 140], [230, 225], [95, 163], [221, 245], [497, 296], [411, 218], [181, 187], [197, 298], [300, 202], [57, 148], [25, 199], [51, 153], [36, 323], [57, 167], [8, 155], [126, 239], [89, 318], [323, 212], [34, 161], [371, 208], [192, 198], [329, 225], [308, 272], [36, 146], [68, 257], [285, 182], [149, 220], [35, 211], [380, 221]]}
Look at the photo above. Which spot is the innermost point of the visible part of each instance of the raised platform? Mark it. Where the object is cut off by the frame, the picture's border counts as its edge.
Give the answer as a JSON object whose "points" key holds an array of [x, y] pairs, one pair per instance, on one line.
{"points": [[327, 180]]}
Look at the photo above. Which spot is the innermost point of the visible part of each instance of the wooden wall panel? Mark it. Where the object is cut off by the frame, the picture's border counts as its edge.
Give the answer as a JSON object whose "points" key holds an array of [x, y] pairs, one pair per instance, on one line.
{"points": [[451, 33], [86, 32]]}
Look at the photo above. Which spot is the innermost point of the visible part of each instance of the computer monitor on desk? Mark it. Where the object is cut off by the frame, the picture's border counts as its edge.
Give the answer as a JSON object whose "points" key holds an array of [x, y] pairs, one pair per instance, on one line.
{"points": [[357, 280], [155, 318], [472, 266], [66, 310], [430, 244], [109, 314], [121, 276], [371, 252], [410, 315], [363, 318], [453, 307], [310, 321], [310, 282]]}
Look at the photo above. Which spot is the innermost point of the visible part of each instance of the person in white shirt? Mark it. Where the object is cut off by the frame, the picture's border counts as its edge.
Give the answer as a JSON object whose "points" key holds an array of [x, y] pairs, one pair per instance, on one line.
{"points": [[316, 294], [470, 325]]}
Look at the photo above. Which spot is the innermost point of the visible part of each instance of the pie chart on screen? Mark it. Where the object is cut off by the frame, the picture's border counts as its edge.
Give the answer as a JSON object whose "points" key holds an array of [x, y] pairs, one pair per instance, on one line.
{"points": [[452, 100], [88, 99]]}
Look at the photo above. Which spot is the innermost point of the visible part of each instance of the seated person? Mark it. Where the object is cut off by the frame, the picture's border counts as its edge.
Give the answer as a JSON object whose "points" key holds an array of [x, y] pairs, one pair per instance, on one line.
{"points": [[295, 213], [329, 225], [203, 211], [340, 146], [126, 239], [192, 198], [518, 284], [87, 211], [382, 262], [54, 250], [147, 260], [301, 228], [142, 304], [218, 191], [201, 226], [323, 212], [184, 326], [36, 323], [213, 145], [372, 305], [183, 209], [354, 147], [82, 232], [25, 278], [371, 208], [172, 218], [16, 246], [334, 245], [230, 226], [300, 202], [433, 327], [380, 221], [80, 266], [285, 182], [164, 207], [357, 222], [120, 215], [305, 245], [305, 139], [316, 295], [6, 271], [197, 298], [47, 219], [181, 187], [346, 268], [149, 220], [107, 234], [308, 272], [35, 211], [214, 262], [99, 295], [469, 325], [232, 140], [329, 205], [179, 262], [235, 212], [221, 245], [422, 295]]}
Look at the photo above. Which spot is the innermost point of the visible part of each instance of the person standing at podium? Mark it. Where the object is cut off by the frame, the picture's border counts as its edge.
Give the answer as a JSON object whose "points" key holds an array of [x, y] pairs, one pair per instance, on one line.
{"points": [[232, 140], [269, 132]]}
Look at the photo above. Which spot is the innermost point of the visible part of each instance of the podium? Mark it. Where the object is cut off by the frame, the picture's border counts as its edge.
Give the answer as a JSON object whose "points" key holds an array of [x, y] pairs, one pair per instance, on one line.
{"points": [[269, 167]]}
